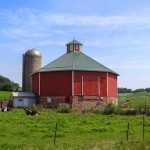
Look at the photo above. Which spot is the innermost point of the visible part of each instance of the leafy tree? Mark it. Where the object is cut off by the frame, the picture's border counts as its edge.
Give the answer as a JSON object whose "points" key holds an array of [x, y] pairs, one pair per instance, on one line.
{"points": [[126, 90], [8, 85], [148, 89]]}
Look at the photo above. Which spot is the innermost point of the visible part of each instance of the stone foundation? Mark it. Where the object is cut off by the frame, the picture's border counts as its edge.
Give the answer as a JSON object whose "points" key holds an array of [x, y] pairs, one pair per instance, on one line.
{"points": [[85, 102], [79, 102], [52, 102]]}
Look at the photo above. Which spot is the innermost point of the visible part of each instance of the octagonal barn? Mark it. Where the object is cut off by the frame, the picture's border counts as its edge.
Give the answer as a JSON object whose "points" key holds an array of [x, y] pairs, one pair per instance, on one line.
{"points": [[76, 79]]}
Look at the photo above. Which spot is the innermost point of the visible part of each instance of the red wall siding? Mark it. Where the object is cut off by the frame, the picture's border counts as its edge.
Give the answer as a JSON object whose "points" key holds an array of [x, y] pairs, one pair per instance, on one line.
{"points": [[35, 83], [56, 83], [78, 85], [90, 83], [103, 86], [60, 83], [112, 85]]}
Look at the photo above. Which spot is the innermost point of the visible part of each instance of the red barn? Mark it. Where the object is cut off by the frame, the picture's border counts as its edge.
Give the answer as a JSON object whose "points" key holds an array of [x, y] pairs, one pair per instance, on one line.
{"points": [[75, 78]]}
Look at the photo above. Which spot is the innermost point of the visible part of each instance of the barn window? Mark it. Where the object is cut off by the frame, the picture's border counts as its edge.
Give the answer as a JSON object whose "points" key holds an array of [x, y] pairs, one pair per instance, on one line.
{"points": [[49, 100], [80, 98], [20, 100]]}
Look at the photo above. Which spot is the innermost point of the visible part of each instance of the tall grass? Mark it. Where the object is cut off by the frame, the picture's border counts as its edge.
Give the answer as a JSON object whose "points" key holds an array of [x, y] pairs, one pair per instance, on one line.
{"points": [[75, 131]]}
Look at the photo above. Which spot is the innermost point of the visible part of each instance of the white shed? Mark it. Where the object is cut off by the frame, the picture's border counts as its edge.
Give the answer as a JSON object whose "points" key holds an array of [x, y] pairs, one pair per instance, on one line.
{"points": [[23, 99]]}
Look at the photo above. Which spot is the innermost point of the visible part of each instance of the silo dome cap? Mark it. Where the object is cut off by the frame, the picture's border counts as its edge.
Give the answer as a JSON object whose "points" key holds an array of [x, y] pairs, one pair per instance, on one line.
{"points": [[33, 51]]}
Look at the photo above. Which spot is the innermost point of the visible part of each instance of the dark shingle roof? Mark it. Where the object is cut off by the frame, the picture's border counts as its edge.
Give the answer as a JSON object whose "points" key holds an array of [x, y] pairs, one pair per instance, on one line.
{"points": [[75, 61], [74, 42]]}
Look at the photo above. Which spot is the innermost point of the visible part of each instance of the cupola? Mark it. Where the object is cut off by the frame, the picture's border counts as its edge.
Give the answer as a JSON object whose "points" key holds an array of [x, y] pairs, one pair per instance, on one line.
{"points": [[74, 46]]}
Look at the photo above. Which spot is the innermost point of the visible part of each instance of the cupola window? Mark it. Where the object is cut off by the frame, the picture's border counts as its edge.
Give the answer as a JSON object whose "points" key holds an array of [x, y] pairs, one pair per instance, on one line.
{"points": [[77, 47], [71, 48]]}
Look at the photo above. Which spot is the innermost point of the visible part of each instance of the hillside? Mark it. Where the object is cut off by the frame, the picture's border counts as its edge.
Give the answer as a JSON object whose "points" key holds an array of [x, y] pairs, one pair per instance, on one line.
{"points": [[135, 99], [4, 95], [8, 85]]}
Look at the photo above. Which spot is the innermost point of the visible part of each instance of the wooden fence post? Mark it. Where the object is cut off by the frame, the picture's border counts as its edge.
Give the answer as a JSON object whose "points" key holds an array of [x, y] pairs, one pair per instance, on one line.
{"points": [[145, 107], [128, 132], [55, 134], [143, 124]]}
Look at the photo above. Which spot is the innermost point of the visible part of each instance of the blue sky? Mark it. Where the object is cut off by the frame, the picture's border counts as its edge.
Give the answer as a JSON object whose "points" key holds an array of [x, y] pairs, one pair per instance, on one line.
{"points": [[115, 33]]}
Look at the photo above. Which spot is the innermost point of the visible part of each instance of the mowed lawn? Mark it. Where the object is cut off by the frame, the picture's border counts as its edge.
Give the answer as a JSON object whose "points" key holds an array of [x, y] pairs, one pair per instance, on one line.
{"points": [[136, 100], [4, 95], [75, 131]]}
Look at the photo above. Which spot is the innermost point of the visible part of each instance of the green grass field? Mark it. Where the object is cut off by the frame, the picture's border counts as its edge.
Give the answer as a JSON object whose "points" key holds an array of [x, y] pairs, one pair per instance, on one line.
{"points": [[74, 131], [4, 95], [135, 100]]}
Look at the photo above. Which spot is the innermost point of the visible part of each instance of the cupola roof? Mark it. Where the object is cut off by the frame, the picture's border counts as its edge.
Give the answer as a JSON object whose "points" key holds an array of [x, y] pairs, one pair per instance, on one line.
{"points": [[74, 42]]}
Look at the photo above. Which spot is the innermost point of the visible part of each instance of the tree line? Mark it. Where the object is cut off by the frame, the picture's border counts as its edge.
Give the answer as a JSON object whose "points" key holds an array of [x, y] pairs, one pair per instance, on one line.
{"points": [[8, 85], [126, 90]]}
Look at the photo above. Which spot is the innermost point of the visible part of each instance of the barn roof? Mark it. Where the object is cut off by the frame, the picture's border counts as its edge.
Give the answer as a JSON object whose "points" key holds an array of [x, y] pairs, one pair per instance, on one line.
{"points": [[75, 61], [23, 94]]}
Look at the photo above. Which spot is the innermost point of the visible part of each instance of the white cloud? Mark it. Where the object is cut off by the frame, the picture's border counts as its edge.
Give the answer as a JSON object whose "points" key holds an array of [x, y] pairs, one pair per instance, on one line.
{"points": [[50, 42], [65, 19], [34, 23]]}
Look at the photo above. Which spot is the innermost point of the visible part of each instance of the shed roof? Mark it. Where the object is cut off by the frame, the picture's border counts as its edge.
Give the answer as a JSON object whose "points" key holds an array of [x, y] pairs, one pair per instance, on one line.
{"points": [[23, 94], [75, 61]]}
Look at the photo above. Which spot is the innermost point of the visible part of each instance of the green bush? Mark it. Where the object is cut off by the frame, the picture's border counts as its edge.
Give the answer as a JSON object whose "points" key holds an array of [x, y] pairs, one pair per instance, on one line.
{"points": [[131, 112], [121, 111], [110, 108], [97, 111], [148, 112], [87, 110], [140, 110], [37, 107], [64, 110]]}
